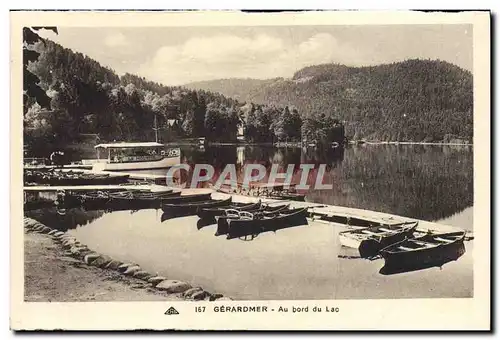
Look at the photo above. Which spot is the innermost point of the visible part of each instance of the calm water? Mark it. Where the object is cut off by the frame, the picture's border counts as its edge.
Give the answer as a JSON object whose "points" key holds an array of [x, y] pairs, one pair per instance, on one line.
{"points": [[307, 262], [417, 181]]}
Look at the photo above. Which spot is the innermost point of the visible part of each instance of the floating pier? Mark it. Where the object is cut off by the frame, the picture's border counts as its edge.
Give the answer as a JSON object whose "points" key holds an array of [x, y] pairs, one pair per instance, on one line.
{"points": [[47, 188]]}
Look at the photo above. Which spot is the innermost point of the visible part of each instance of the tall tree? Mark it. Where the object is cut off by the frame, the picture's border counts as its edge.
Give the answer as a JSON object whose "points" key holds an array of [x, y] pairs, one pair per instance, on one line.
{"points": [[31, 82]]}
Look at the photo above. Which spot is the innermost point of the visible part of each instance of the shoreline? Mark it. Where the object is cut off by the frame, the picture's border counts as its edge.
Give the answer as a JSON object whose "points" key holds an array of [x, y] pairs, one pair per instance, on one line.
{"points": [[58, 268], [298, 145]]}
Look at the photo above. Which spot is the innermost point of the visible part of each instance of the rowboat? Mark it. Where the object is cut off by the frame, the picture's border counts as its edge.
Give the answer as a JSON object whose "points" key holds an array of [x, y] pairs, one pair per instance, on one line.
{"points": [[171, 210], [431, 249], [139, 199], [72, 178], [210, 213], [186, 199], [249, 223], [369, 241], [222, 220], [287, 196], [117, 199]]}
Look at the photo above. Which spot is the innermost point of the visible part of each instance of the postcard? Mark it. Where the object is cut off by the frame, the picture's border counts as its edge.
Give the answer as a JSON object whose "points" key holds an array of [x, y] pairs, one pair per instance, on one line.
{"points": [[225, 170]]}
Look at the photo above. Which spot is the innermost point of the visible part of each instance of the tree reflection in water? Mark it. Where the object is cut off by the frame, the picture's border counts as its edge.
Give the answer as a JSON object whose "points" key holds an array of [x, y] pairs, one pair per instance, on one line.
{"points": [[418, 181]]}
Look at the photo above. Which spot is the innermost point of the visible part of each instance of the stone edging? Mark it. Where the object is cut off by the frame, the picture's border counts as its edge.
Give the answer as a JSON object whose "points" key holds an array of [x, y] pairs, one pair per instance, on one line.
{"points": [[81, 252]]}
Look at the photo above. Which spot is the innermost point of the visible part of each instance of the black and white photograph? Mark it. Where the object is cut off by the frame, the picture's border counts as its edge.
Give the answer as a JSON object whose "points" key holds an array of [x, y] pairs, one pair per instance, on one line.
{"points": [[201, 167]]}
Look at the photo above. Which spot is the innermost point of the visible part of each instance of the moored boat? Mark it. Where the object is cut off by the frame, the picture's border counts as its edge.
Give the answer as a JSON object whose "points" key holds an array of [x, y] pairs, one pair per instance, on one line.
{"points": [[133, 156], [228, 214], [71, 178], [139, 199], [211, 213], [369, 241], [431, 249], [192, 207], [255, 223], [169, 201]]}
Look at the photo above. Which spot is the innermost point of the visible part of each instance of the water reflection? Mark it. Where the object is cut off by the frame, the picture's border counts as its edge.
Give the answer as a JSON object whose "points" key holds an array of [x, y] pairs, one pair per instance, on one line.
{"points": [[417, 181], [70, 219], [305, 262]]}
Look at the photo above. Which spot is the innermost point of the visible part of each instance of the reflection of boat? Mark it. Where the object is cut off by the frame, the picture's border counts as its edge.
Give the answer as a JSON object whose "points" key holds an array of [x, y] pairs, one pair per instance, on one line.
{"points": [[369, 241], [133, 156], [255, 223], [431, 249]]}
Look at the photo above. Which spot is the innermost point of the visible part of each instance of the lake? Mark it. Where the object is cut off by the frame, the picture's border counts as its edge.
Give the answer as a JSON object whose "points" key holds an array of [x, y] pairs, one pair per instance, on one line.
{"points": [[419, 181], [425, 182]]}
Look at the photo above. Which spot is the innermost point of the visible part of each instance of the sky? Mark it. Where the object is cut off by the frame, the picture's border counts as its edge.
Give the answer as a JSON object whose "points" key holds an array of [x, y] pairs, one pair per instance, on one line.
{"points": [[180, 55]]}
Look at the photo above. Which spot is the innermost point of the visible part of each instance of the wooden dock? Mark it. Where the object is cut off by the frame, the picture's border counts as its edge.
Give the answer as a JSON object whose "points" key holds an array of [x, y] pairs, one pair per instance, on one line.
{"points": [[41, 188], [134, 176], [64, 167], [319, 211]]}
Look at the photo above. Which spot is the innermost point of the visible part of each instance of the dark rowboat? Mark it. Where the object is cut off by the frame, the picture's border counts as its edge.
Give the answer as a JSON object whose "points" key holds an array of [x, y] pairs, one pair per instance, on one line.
{"points": [[192, 207], [135, 200], [186, 199], [210, 213], [431, 249], [369, 241], [249, 224], [228, 214], [288, 196]]}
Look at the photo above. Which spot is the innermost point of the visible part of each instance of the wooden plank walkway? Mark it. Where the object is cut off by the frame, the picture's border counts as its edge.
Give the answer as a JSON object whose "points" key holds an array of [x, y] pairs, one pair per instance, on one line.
{"points": [[331, 210], [151, 187], [320, 210], [65, 167], [153, 178]]}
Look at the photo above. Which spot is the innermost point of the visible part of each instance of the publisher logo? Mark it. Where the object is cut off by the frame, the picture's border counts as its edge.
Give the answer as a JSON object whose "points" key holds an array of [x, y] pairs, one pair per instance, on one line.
{"points": [[171, 311]]}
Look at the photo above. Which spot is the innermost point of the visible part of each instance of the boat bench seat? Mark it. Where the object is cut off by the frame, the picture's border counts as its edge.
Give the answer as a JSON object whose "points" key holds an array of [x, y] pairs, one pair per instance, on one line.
{"points": [[370, 232], [425, 244], [386, 230], [443, 240]]}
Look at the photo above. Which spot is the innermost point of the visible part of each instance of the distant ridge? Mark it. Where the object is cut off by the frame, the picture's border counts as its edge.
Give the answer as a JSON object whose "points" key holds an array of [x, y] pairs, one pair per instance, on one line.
{"points": [[412, 100]]}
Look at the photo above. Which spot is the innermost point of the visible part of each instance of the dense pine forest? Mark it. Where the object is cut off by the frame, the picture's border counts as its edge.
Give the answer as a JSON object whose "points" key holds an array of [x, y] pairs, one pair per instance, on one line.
{"points": [[86, 98], [414, 100]]}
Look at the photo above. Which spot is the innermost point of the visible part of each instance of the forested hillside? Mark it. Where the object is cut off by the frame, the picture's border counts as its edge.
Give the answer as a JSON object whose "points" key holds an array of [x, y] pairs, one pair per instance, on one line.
{"points": [[241, 89], [414, 100], [87, 98]]}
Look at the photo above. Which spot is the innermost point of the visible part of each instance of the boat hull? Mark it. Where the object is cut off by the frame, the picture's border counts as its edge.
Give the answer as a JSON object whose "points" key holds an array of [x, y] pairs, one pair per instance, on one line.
{"points": [[422, 258], [211, 213], [242, 227], [371, 245], [164, 163], [222, 221]]}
